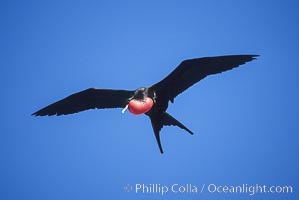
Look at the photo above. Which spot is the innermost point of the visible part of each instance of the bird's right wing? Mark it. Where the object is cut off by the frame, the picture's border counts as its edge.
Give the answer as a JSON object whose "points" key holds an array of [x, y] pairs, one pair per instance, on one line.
{"points": [[87, 99]]}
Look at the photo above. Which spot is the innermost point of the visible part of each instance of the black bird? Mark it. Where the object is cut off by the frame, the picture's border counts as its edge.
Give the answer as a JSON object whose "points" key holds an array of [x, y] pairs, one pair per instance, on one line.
{"points": [[153, 100]]}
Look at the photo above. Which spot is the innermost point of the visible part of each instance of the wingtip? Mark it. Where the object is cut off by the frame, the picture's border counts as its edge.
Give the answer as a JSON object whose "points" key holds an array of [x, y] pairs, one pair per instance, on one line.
{"points": [[41, 114], [34, 114], [38, 113], [249, 57], [252, 57]]}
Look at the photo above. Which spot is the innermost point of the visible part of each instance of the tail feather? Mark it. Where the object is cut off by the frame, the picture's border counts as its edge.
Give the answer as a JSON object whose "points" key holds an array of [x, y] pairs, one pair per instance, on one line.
{"points": [[168, 120], [161, 119]]}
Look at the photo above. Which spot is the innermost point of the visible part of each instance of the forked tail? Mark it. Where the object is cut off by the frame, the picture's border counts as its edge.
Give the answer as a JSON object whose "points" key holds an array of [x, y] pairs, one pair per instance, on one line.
{"points": [[160, 119]]}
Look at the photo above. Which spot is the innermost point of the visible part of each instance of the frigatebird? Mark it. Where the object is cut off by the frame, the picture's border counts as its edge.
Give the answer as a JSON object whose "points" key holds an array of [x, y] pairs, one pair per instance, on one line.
{"points": [[153, 100]]}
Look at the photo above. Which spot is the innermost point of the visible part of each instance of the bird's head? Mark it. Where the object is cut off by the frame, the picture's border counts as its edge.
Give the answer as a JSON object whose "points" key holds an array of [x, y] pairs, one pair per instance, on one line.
{"points": [[141, 102], [140, 93]]}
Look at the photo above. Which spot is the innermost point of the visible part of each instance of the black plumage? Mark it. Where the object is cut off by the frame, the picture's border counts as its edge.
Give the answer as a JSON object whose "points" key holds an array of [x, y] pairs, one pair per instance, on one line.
{"points": [[184, 76]]}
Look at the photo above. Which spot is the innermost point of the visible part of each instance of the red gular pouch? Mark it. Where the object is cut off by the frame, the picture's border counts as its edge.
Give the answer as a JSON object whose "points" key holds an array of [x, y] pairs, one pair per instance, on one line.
{"points": [[140, 106]]}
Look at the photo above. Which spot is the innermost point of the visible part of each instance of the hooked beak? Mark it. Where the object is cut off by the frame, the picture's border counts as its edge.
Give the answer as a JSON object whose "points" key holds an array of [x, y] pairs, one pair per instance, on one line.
{"points": [[125, 108]]}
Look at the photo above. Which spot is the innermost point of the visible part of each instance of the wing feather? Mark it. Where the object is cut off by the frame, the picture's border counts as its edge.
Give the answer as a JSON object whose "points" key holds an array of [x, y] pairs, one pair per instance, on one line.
{"points": [[87, 99], [191, 71]]}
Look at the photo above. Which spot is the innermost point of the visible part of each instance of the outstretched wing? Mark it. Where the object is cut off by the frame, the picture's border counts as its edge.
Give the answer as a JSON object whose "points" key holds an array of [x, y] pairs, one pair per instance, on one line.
{"points": [[191, 71], [87, 99]]}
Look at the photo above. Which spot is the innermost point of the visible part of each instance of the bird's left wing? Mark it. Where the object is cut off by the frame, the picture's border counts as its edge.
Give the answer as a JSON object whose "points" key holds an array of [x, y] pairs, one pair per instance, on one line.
{"points": [[191, 71], [87, 99]]}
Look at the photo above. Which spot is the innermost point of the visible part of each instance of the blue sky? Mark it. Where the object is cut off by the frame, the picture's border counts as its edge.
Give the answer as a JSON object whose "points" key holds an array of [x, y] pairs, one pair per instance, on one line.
{"points": [[245, 121]]}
